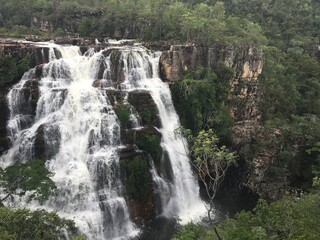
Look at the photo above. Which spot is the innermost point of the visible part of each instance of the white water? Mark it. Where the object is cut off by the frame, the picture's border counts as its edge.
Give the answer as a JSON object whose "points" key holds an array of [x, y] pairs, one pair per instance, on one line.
{"points": [[86, 162], [142, 73]]}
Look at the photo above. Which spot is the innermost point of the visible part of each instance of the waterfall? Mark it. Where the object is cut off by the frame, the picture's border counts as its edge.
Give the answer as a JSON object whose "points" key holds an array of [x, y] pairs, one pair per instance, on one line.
{"points": [[82, 136], [142, 73]]}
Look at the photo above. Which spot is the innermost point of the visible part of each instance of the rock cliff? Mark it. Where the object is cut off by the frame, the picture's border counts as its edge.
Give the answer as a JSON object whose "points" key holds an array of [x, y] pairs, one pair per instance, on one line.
{"points": [[246, 62], [247, 65], [16, 57]]}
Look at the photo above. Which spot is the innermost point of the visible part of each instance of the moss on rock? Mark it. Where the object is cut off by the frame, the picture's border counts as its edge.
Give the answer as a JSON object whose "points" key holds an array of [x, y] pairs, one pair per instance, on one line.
{"points": [[146, 108], [138, 184], [136, 176]]}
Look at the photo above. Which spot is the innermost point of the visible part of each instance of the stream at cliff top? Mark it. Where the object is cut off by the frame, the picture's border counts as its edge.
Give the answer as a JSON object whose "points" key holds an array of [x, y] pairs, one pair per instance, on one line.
{"points": [[81, 132]]}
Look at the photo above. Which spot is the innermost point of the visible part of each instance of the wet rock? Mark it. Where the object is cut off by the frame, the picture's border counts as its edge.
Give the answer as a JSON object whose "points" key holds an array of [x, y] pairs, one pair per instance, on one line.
{"points": [[47, 142], [31, 95], [4, 141], [146, 108], [116, 73], [137, 180]]}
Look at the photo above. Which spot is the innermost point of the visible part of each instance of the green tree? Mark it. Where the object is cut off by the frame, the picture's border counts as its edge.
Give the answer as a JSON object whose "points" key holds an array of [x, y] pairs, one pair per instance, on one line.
{"points": [[35, 225], [194, 232], [31, 176], [210, 161], [201, 100], [173, 19], [12, 70], [315, 152], [289, 218]]}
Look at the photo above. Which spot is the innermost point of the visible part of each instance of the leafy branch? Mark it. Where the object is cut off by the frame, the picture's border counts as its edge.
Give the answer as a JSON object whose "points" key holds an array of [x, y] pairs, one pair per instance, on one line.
{"points": [[210, 161], [31, 176]]}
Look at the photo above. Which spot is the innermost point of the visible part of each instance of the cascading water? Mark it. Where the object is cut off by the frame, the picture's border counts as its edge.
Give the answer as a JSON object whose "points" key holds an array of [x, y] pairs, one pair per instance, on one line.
{"points": [[82, 134], [141, 73]]}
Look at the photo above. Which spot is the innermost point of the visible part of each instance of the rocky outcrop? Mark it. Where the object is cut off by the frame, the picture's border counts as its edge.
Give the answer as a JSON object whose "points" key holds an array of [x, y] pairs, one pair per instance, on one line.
{"points": [[19, 57], [145, 107], [246, 62], [266, 176], [19, 49], [244, 87], [46, 148], [140, 138], [4, 141], [176, 62], [247, 65], [138, 145], [137, 180]]}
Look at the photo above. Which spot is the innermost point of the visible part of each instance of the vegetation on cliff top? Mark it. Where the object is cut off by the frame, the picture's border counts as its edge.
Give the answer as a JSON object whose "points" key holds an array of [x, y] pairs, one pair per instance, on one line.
{"points": [[144, 19]]}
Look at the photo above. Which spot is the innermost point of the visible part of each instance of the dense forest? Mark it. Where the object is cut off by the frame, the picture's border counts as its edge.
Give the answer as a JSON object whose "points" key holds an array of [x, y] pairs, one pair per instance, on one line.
{"points": [[147, 20], [289, 87]]}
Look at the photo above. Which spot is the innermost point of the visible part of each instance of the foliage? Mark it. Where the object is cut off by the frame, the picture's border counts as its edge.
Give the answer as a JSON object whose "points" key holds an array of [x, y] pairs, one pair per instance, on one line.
{"points": [[315, 153], [150, 143], [201, 100], [198, 96], [193, 231], [205, 150], [145, 19], [31, 176], [289, 84], [289, 218], [123, 114], [137, 178], [147, 116], [283, 24], [210, 161], [289, 101], [10, 69], [288, 88], [286, 23], [35, 225]]}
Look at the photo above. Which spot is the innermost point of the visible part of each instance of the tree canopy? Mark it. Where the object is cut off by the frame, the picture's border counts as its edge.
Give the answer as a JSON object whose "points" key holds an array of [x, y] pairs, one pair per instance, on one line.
{"points": [[290, 218], [32, 176], [211, 162], [35, 225], [144, 19]]}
